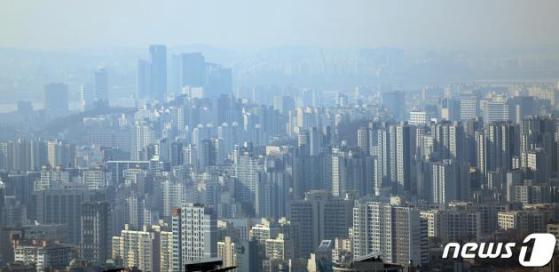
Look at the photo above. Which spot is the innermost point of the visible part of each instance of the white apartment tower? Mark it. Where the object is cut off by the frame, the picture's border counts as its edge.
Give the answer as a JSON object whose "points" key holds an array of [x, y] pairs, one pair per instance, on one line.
{"points": [[396, 233]]}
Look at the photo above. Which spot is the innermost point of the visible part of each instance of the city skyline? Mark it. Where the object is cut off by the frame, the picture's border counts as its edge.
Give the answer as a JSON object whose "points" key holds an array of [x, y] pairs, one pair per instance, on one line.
{"points": [[308, 136]]}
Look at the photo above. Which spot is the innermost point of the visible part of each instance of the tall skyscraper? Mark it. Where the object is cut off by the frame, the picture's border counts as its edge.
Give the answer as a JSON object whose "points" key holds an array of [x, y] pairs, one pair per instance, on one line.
{"points": [[56, 100], [176, 229], [198, 233], [303, 141], [501, 143], [395, 103], [352, 172], [400, 147], [144, 135], [193, 70], [246, 167], [272, 192], [381, 152], [226, 251], [449, 141], [101, 83], [537, 132], [521, 107], [450, 182], [450, 109], [95, 233], [143, 79], [363, 139], [87, 97], [173, 194], [158, 72], [247, 255], [219, 81]]}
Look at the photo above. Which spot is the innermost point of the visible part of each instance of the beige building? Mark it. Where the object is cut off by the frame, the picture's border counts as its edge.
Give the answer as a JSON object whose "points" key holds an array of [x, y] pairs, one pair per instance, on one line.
{"points": [[147, 249], [278, 248], [432, 218], [166, 251], [523, 221], [263, 231], [43, 255], [226, 251]]}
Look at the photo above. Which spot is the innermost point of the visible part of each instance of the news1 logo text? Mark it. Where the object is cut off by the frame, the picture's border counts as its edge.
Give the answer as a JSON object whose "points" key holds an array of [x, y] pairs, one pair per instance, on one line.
{"points": [[536, 250]]}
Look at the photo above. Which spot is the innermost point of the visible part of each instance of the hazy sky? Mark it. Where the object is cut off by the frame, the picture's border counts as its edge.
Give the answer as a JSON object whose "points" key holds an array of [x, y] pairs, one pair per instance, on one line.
{"points": [[267, 23]]}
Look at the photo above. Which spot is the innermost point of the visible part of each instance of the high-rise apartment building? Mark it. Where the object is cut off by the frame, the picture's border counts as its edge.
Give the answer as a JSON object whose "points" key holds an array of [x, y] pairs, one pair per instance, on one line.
{"points": [[320, 217], [61, 154], [522, 221], [352, 172], [63, 205], [94, 178], [135, 248], [450, 182], [496, 111], [395, 233], [501, 145], [449, 141], [401, 151], [458, 224], [272, 193], [418, 118], [246, 168], [469, 107], [195, 233], [226, 251], [95, 232]]}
